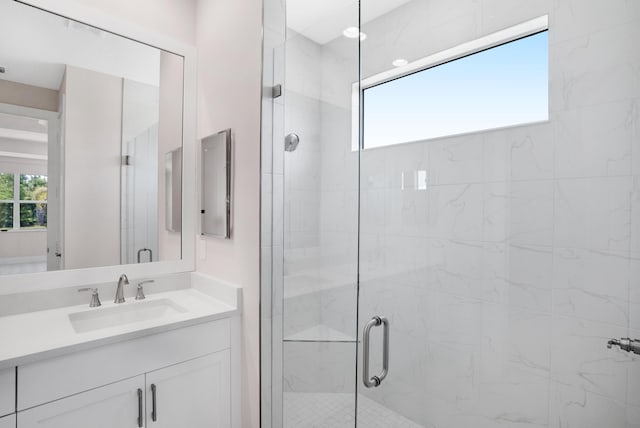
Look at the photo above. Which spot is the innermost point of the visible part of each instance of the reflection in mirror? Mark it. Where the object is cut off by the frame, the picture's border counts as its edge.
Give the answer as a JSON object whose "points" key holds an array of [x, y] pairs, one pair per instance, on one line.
{"points": [[216, 185], [173, 189], [86, 118]]}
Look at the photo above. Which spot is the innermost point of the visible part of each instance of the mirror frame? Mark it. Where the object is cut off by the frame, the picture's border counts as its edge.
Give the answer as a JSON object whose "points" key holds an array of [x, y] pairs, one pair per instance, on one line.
{"points": [[75, 10]]}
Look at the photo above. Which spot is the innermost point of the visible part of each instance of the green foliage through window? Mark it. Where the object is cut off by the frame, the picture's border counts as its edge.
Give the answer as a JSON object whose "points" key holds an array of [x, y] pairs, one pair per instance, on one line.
{"points": [[33, 187], [6, 186], [6, 215]]}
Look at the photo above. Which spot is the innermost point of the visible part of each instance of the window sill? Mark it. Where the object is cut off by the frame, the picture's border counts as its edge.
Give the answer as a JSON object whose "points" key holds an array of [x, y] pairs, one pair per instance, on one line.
{"points": [[21, 231]]}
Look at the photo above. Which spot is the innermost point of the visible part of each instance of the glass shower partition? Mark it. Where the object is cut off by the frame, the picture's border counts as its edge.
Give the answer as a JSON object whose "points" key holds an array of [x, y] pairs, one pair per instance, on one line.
{"points": [[425, 270], [320, 215]]}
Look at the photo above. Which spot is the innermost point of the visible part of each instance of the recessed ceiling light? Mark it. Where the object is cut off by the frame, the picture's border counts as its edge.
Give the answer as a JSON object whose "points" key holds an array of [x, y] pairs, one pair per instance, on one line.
{"points": [[354, 33], [351, 32], [400, 62]]}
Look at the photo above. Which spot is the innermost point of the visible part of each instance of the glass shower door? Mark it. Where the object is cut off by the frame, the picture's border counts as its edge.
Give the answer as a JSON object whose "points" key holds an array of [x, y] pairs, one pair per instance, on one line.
{"points": [[318, 193], [499, 261]]}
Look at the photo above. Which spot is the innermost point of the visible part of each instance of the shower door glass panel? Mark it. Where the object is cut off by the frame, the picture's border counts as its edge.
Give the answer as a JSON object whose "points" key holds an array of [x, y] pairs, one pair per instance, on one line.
{"points": [[314, 116], [504, 260]]}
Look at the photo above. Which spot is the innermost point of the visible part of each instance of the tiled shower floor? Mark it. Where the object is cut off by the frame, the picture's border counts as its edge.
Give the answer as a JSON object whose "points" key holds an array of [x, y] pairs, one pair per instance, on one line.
{"points": [[335, 410]]}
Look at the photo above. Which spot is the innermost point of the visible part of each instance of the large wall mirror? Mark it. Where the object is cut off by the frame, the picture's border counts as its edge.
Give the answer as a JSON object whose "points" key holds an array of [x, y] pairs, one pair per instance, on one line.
{"points": [[86, 120]]}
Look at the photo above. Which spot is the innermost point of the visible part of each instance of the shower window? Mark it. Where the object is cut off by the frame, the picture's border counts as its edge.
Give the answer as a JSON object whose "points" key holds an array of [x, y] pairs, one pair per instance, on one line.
{"points": [[495, 82]]}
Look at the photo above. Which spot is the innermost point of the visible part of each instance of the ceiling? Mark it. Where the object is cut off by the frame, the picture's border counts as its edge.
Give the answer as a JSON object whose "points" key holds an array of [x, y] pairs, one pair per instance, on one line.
{"points": [[22, 123], [35, 46], [323, 21], [23, 137]]}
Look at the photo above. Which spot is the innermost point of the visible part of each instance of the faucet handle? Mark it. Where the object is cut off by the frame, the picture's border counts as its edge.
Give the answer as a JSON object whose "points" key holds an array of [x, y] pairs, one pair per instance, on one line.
{"points": [[95, 298], [140, 293]]}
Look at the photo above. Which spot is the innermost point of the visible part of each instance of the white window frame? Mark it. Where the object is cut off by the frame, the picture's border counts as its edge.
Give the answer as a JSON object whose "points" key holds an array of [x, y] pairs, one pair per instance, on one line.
{"points": [[498, 38]]}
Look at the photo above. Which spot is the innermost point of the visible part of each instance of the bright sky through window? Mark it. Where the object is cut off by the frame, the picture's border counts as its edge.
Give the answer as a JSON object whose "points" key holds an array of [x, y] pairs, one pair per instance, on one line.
{"points": [[503, 86]]}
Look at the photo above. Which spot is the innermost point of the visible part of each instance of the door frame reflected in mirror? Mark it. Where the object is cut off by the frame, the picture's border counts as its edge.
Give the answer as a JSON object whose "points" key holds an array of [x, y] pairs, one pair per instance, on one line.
{"points": [[52, 254]]}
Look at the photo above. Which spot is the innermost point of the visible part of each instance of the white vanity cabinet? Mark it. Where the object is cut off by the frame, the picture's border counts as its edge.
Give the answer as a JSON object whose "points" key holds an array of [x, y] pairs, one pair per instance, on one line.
{"points": [[178, 378], [7, 392], [116, 405], [8, 421], [192, 394]]}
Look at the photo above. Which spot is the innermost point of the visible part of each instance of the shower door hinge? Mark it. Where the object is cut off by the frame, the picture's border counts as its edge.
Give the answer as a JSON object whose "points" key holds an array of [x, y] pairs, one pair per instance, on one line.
{"points": [[276, 91]]}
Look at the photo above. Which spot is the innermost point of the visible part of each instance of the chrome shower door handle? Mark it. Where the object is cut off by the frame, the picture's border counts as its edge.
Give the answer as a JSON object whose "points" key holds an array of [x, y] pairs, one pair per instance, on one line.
{"points": [[374, 381]]}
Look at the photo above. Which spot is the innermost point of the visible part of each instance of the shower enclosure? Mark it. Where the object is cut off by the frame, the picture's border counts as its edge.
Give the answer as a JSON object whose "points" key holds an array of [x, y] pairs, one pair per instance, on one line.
{"points": [[450, 214]]}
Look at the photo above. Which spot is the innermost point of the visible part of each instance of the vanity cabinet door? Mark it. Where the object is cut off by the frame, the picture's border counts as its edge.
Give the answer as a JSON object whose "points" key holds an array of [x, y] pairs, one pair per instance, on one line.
{"points": [[8, 421], [120, 405], [7, 391], [194, 394]]}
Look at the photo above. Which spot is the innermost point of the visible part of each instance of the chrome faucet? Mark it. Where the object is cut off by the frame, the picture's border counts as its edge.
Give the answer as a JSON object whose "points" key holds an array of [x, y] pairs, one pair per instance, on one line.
{"points": [[120, 292]]}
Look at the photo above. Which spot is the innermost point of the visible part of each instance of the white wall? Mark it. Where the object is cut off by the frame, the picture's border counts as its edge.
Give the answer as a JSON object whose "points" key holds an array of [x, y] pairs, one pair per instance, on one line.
{"points": [[174, 18], [92, 161], [32, 243], [229, 46]]}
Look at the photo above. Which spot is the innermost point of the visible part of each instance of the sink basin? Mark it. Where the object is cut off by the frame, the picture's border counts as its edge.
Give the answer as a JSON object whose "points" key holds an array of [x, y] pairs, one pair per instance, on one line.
{"points": [[123, 314]]}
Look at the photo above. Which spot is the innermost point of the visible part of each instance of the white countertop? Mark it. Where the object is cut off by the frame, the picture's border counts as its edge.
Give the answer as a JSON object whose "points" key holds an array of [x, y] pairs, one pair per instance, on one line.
{"points": [[38, 335]]}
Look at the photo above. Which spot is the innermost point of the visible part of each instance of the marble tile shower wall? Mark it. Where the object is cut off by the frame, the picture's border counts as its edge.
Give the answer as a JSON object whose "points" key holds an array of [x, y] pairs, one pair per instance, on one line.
{"points": [[302, 195], [321, 183], [505, 259], [508, 268], [320, 200]]}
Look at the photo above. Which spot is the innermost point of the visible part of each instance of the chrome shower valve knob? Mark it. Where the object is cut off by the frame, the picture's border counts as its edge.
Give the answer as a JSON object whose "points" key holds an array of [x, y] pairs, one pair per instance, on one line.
{"points": [[626, 344]]}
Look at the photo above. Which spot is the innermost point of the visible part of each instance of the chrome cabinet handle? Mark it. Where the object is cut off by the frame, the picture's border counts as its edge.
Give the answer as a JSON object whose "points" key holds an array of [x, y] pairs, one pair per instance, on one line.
{"points": [[154, 413], [139, 408], [374, 381]]}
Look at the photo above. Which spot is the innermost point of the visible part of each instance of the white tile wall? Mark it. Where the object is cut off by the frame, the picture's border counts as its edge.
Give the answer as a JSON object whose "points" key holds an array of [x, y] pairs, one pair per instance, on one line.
{"points": [[593, 213], [319, 367]]}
